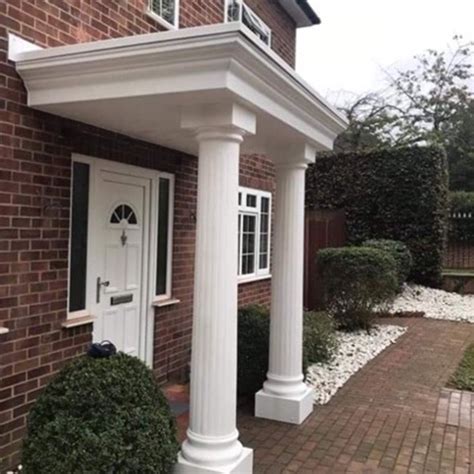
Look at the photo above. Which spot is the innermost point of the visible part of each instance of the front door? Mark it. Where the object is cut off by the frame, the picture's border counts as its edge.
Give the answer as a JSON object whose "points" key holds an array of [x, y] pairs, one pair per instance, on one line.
{"points": [[121, 226]]}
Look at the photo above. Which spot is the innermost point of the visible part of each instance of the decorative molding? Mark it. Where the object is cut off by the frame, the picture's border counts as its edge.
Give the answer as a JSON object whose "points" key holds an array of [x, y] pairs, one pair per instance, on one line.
{"points": [[17, 46]]}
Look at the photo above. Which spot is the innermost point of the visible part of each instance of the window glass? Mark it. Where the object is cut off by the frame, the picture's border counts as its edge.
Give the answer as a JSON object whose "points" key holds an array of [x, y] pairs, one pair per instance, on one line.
{"points": [[248, 243], [163, 236], [166, 9], [79, 229], [264, 232]]}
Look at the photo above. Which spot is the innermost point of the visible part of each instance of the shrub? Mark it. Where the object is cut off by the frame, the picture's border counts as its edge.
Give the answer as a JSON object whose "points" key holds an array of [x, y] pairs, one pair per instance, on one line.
{"points": [[319, 344], [253, 347], [355, 281], [319, 338], [101, 415], [398, 193], [399, 251]]}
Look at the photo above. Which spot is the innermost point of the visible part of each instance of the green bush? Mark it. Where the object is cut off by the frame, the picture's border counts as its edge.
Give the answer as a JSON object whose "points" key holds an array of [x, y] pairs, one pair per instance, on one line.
{"points": [[101, 415], [355, 281], [399, 251], [461, 222], [253, 347], [319, 338], [399, 194], [319, 344]]}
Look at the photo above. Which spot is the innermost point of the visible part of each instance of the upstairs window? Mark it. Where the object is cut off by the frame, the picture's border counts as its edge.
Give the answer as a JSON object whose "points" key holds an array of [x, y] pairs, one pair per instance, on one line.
{"points": [[238, 10], [165, 12], [254, 233]]}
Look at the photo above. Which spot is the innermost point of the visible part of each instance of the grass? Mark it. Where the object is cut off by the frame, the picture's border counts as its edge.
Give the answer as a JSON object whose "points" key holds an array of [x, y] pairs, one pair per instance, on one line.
{"points": [[463, 378]]}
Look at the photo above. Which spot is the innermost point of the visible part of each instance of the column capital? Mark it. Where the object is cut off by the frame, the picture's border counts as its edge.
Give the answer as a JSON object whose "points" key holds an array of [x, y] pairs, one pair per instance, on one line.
{"points": [[214, 121], [293, 156]]}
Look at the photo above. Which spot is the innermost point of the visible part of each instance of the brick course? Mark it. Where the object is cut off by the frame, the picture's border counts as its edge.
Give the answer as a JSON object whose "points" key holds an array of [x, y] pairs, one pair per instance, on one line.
{"points": [[35, 171]]}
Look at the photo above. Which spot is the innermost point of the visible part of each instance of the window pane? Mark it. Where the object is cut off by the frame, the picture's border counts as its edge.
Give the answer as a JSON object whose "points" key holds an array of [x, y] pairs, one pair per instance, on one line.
{"points": [[79, 229], [251, 200], [264, 233], [163, 236], [165, 9], [248, 243]]}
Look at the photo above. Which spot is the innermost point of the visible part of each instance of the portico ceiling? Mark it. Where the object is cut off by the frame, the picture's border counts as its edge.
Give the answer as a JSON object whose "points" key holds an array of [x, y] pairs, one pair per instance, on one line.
{"points": [[140, 85]]}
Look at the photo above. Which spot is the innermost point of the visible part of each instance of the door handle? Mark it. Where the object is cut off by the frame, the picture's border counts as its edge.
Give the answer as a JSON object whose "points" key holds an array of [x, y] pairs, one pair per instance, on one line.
{"points": [[99, 285]]}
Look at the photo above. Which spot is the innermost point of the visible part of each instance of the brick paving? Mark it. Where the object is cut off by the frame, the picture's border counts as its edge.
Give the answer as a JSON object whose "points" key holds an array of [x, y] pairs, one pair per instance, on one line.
{"points": [[394, 416]]}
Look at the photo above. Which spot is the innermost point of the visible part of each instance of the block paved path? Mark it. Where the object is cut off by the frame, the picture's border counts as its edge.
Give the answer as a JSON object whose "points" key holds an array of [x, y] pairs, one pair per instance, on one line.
{"points": [[393, 416]]}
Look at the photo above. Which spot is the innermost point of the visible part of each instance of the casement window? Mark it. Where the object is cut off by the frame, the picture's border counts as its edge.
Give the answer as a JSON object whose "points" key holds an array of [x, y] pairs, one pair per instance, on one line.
{"points": [[164, 244], [254, 234], [165, 12], [238, 10]]}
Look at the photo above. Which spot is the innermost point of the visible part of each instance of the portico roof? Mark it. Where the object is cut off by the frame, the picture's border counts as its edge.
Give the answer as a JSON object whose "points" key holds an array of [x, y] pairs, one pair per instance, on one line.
{"points": [[140, 86]]}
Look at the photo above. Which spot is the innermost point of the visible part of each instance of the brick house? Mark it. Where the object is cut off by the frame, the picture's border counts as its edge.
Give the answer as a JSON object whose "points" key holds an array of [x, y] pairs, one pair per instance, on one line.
{"points": [[125, 213]]}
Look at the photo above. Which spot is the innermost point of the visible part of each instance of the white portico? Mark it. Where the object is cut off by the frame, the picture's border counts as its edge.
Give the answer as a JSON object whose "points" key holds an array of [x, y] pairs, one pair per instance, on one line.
{"points": [[215, 92]]}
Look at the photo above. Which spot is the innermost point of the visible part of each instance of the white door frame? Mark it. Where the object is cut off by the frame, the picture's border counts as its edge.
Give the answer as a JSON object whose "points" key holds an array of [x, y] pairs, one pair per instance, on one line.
{"points": [[147, 310]]}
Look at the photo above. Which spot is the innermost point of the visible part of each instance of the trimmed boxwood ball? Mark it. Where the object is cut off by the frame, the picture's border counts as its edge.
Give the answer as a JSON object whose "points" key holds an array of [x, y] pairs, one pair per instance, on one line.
{"points": [[101, 416], [399, 251], [355, 281]]}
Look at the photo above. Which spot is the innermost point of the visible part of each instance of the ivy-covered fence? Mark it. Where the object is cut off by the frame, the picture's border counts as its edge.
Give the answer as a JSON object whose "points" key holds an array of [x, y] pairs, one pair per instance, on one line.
{"points": [[399, 194]]}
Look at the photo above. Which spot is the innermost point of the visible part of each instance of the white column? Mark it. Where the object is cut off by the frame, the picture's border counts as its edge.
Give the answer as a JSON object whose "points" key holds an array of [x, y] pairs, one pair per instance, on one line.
{"points": [[284, 396], [212, 444]]}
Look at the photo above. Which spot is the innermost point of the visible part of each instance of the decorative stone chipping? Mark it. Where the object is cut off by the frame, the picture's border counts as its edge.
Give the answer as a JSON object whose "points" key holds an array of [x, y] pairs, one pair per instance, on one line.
{"points": [[35, 165]]}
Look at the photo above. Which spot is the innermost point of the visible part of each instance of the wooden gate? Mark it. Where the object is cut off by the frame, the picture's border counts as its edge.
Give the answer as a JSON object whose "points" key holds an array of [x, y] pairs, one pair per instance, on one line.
{"points": [[323, 229]]}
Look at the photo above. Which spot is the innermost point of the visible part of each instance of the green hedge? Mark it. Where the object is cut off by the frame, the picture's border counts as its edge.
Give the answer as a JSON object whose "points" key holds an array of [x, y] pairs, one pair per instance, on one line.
{"points": [[398, 194], [319, 344], [101, 416], [399, 251], [356, 280], [461, 222]]}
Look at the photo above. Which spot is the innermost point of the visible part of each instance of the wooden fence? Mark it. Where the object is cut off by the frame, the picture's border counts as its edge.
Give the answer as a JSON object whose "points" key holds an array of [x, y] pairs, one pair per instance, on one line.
{"points": [[459, 254], [323, 229]]}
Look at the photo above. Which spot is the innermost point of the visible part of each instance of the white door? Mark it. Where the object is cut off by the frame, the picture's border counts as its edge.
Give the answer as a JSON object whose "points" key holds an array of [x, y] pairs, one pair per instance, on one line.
{"points": [[120, 235]]}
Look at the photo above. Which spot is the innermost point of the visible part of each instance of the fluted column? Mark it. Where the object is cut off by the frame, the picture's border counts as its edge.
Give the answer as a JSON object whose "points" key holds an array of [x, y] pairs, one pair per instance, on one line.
{"points": [[284, 396], [212, 443]]}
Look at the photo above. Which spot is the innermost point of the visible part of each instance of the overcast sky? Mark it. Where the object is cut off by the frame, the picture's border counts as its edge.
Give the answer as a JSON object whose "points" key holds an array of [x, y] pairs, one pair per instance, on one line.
{"points": [[357, 39]]}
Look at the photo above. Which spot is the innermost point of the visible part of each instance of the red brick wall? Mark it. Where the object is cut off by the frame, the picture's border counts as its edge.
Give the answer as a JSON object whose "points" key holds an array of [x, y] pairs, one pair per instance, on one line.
{"points": [[35, 165]]}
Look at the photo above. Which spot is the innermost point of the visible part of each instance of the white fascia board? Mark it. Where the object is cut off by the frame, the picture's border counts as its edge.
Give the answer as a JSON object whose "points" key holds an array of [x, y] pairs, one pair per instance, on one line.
{"points": [[295, 11], [217, 57]]}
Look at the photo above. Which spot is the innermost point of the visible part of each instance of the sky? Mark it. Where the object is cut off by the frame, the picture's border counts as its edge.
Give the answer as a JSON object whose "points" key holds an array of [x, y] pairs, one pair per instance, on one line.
{"points": [[359, 39]]}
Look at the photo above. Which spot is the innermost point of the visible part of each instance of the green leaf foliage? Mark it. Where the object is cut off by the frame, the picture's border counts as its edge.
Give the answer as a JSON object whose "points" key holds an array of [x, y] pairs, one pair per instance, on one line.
{"points": [[319, 345], [461, 221], [397, 194], [463, 378], [355, 281], [400, 253], [102, 416]]}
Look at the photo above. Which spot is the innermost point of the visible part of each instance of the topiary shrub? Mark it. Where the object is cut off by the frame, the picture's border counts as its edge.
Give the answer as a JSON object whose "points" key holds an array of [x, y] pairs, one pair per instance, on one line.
{"points": [[399, 251], [253, 346], [101, 415], [355, 281], [319, 338]]}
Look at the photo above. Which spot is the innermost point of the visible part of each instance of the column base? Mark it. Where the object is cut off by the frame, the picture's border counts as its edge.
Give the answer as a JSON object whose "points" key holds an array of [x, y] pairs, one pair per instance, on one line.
{"points": [[287, 409], [242, 466]]}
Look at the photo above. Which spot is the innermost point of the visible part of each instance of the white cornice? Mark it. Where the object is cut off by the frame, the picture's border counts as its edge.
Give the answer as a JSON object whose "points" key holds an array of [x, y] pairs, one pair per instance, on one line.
{"points": [[225, 58]]}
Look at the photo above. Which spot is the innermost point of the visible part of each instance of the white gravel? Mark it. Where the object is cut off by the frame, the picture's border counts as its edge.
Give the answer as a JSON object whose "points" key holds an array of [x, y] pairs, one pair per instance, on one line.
{"points": [[355, 350], [436, 304]]}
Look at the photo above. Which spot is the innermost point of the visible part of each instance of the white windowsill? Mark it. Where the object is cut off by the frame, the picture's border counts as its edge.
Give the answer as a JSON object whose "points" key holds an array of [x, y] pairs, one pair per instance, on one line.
{"points": [[4, 330], [164, 303], [76, 322], [154, 16], [253, 278]]}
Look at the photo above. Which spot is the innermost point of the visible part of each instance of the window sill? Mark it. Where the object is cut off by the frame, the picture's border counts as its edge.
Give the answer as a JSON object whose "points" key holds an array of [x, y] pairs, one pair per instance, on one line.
{"points": [[76, 322], [154, 16], [253, 279], [4, 330], [165, 303]]}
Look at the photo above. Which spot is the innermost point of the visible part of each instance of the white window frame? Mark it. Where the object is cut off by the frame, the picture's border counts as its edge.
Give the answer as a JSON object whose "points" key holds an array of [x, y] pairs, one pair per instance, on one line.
{"points": [[259, 273], [157, 17], [167, 296], [240, 19]]}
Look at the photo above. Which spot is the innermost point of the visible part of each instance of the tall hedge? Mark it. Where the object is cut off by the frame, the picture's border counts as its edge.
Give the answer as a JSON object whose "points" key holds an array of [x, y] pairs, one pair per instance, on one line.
{"points": [[398, 194]]}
